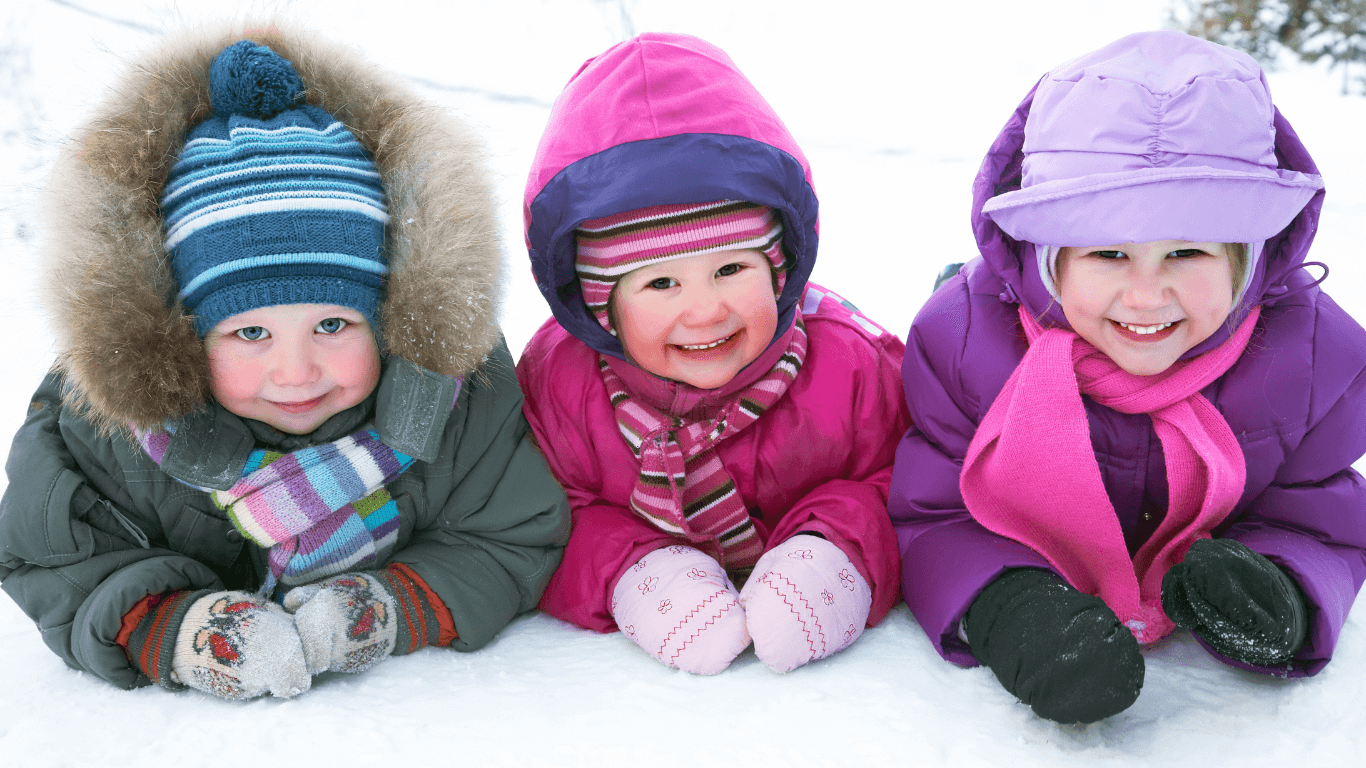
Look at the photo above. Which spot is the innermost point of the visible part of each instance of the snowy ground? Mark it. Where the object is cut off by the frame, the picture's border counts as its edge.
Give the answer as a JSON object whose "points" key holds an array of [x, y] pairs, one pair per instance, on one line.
{"points": [[894, 104]]}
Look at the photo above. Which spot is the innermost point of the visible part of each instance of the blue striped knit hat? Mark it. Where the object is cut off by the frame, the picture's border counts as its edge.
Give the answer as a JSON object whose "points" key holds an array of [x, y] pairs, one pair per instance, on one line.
{"points": [[272, 203]]}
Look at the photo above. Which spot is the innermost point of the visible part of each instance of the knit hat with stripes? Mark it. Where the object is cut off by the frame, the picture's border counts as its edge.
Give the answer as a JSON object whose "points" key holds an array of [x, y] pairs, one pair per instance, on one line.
{"points": [[611, 247], [272, 203]]}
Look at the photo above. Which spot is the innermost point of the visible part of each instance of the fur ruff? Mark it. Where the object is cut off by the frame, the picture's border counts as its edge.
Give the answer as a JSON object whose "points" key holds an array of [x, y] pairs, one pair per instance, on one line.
{"points": [[129, 351]]}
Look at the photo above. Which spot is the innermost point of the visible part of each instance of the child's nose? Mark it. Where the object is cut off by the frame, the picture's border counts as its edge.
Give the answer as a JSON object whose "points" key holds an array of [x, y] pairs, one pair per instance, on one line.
{"points": [[295, 366], [706, 306], [1146, 289]]}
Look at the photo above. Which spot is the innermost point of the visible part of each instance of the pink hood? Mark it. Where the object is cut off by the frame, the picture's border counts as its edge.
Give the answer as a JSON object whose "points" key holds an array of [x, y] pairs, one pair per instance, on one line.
{"points": [[659, 119]]}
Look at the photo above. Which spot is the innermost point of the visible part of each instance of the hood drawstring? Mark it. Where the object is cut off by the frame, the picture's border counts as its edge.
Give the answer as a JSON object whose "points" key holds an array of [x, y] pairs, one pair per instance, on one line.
{"points": [[1279, 291]]}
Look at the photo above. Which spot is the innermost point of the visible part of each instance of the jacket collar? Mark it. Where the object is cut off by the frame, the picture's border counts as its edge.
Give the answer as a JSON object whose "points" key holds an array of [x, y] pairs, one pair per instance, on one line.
{"points": [[410, 406]]}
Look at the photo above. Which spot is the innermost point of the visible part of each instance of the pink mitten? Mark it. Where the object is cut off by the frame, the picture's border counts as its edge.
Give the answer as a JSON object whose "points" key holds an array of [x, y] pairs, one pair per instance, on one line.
{"points": [[678, 605], [804, 601]]}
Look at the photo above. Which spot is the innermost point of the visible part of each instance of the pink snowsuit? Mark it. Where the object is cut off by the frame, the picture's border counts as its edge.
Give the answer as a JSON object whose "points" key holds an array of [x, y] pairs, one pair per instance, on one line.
{"points": [[667, 119]]}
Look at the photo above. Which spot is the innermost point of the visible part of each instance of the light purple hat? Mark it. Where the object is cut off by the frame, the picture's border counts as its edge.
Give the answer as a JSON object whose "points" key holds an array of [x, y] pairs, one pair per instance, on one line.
{"points": [[1157, 136]]}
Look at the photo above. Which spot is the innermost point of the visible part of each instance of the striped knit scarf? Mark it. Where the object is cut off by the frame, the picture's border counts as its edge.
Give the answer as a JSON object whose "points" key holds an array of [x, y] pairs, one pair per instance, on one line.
{"points": [[683, 487], [320, 510]]}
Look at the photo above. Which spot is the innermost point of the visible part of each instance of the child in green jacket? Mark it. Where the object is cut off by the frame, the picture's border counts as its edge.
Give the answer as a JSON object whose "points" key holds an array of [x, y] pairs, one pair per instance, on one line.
{"points": [[283, 434]]}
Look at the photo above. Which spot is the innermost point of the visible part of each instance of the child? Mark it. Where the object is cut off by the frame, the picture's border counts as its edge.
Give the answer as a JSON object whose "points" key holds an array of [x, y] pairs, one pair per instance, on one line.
{"points": [[1135, 410], [279, 376], [711, 416]]}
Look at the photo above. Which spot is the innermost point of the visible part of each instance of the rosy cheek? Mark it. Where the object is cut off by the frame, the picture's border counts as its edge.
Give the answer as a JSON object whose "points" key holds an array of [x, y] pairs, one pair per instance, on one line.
{"points": [[641, 328], [363, 370], [354, 365], [233, 378]]}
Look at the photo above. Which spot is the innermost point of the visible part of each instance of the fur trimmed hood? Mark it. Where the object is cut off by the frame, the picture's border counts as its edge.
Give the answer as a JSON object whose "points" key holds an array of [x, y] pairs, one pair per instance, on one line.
{"points": [[129, 351]]}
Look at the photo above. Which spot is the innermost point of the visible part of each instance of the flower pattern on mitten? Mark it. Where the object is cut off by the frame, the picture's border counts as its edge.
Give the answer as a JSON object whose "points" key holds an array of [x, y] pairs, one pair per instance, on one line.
{"points": [[804, 601], [347, 623], [239, 646], [678, 605]]}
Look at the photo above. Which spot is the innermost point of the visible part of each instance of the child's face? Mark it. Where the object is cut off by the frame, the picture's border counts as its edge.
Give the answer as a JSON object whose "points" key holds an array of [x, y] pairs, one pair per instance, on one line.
{"points": [[698, 319], [1145, 304], [292, 366]]}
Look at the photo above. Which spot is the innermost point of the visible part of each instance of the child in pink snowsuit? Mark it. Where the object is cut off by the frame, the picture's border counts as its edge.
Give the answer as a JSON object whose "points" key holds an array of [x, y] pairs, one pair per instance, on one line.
{"points": [[714, 419]]}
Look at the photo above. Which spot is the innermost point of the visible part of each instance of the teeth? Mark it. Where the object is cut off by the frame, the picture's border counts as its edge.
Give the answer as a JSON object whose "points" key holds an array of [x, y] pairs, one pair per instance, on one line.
{"points": [[1146, 329], [696, 347]]}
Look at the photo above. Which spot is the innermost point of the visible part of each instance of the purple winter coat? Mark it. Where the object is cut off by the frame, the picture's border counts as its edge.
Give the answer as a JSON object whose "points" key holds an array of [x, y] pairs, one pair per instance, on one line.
{"points": [[1295, 400]]}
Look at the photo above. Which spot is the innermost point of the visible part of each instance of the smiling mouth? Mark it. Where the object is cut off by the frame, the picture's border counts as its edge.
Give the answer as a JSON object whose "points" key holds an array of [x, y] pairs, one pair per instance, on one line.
{"points": [[299, 407], [708, 345], [1146, 332], [1145, 329]]}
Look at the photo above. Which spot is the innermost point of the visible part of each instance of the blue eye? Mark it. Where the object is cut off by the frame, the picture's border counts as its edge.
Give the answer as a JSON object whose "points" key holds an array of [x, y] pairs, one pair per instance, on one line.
{"points": [[1187, 253], [1109, 254], [332, 325], [661, 283], [729, 269], [252, 333]]}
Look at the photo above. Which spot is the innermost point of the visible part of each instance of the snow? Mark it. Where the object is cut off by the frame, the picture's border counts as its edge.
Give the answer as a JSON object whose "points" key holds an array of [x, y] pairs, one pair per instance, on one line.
{"points": [[894, 104]]}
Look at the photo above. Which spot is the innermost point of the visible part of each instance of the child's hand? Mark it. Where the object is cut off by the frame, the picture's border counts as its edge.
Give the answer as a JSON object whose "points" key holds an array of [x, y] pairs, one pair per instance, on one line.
{"points": [[347, 623], [678, 605], [804, 601], [1061, 651], [239, 646], [1237, 601]]}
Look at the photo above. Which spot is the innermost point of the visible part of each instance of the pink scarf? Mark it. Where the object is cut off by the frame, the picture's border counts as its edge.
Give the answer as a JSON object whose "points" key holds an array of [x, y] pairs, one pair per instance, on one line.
{"points": [[683, 487], [1030, 474]]}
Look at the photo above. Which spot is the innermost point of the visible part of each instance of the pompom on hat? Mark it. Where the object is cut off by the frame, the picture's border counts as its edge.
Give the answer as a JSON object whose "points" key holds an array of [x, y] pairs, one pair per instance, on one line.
{"points": [[272, 203], [613, 246], [1156, 136]]}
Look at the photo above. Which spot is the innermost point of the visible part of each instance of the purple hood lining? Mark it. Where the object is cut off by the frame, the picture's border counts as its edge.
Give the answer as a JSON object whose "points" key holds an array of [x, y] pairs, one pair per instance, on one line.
{"points": [[683, 168]]}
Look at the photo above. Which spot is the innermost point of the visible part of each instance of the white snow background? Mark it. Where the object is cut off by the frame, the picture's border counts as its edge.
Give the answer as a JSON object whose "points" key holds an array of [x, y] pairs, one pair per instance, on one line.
{"points": [[895, 104]]}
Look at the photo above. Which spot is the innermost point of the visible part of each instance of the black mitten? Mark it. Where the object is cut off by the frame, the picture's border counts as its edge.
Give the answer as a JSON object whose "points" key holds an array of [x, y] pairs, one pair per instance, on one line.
{"points": [[1237, 601], [1061, 651]]}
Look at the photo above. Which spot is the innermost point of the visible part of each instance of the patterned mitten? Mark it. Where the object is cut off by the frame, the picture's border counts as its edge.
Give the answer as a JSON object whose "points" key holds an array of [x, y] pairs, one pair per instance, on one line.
{"points": [[678, 605], [239, 646], [346, 623], [804, 601]]}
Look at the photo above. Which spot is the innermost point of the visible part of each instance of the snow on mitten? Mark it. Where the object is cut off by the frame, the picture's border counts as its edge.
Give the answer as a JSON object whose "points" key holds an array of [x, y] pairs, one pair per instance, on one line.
{"points": [[347, 623], [239, 646], [1238, 602], [678, 605], [804, 601]]}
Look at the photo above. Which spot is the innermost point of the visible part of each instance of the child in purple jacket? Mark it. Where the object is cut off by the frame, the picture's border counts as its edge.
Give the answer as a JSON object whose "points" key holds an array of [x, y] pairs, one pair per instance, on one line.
{"points": [[1136, 411]]}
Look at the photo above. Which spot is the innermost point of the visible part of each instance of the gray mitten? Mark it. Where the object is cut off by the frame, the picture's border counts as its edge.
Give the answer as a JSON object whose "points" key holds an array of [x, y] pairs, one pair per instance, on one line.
{"points": [[347, 623], [239, 646]]}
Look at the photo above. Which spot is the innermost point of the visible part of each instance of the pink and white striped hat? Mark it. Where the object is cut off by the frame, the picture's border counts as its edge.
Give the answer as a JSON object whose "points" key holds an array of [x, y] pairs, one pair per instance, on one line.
{"points": [[611, 247]]}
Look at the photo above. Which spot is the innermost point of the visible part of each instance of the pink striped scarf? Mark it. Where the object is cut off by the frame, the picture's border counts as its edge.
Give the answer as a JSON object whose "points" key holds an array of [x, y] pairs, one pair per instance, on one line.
{"points": [[683, 487], [1030, 473]]}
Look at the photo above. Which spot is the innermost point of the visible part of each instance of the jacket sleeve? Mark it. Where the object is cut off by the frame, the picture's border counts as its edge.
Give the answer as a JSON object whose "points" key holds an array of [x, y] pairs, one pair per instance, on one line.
{"points": [[850, 508], [1311, 519], [607, 538], [77, 558], [495, 522], [852, 515], [947, 557]]}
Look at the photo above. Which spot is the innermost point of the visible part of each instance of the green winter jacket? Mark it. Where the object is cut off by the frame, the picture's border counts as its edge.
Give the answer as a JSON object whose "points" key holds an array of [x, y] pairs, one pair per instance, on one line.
{"points": [[90, 524]]}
